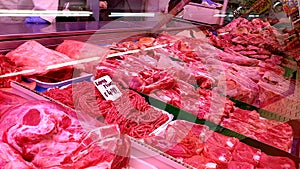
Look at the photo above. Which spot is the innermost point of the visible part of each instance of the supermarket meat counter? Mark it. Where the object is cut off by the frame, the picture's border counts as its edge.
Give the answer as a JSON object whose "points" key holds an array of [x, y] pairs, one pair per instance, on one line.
{"points": [[12, 35], [183, 98]]}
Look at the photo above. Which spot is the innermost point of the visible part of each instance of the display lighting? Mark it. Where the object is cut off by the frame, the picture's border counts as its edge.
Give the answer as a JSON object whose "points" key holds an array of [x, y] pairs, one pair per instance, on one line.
{"points": [[26, 13]]}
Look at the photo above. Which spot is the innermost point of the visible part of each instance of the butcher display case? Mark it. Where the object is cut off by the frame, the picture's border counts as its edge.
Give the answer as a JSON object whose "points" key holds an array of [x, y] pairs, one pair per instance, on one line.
{"points": [[119, 95]]}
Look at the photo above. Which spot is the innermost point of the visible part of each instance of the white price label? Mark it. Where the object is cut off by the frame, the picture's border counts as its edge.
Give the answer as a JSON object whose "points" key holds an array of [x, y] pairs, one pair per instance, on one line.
{"points": [[106, 87]]}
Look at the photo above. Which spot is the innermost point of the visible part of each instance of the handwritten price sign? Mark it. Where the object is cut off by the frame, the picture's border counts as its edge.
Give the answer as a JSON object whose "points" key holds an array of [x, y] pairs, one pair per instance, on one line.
{"points": [[106, 87], [261, 6]]}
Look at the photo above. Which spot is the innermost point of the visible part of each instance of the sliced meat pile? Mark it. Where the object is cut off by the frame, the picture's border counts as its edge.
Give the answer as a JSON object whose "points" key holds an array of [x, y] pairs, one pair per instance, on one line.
{"points": [[131, 112], [33, 55], [42, 134], [251, 38], [202, 148], [7, 66], [136, 73], [206, 64], [249, 123]]}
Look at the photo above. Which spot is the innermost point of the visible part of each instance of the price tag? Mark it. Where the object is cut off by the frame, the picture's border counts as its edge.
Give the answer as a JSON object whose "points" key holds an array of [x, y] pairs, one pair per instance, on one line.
{"points": [[261, 6], [106, 87]]}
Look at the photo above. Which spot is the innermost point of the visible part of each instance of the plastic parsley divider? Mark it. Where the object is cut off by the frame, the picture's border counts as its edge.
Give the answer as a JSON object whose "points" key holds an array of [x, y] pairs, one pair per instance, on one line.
{"points": [[289, 72], [184, 115]]}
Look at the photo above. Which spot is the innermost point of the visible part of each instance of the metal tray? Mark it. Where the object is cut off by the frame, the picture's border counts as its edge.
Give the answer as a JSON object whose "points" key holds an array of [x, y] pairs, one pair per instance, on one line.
{"points": [[46, 85]]}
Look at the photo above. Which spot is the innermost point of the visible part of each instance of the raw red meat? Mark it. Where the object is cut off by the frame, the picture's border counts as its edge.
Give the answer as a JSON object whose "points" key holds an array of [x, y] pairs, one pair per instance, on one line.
{"points": [[201, 162], [250, 123], [33, 55], [231, 56], [274, 87], [80, 50], [219, 155], [250, 52], [238, 126], [219, 140], [238, 48], [245, 115], [240, 87], [273, 162], [185, 140], [10, 158], [7, 66], [46, 135], [240, 165], [7, 100], [245, 153], [131, 112], [251, 47], [262, 57]]}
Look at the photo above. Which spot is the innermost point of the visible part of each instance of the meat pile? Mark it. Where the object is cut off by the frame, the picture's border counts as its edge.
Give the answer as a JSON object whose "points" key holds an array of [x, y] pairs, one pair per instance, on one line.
{"points": [[246, 77], [139, 72], [202, 148], [131, 112], [249, 37], [7, 66], [42, 134], [249, 123]]}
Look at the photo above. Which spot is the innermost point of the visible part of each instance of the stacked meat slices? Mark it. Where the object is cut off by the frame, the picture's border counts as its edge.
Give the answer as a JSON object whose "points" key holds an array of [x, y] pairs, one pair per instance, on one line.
{"points": [[252, 125], [41, 134], [202, 148]]}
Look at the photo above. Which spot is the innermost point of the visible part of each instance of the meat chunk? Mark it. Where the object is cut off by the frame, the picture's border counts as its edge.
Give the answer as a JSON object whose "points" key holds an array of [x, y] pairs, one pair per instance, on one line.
{"points": [[6, 67], [33, 55], [273, 162]]}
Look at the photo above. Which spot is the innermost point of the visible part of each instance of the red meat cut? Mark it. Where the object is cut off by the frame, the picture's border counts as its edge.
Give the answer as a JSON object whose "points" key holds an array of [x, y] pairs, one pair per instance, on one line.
{"points": [[33, 55], [7, 66], [11, 159], [273, 162], [48, 135], [240, 165], [245, 153]]}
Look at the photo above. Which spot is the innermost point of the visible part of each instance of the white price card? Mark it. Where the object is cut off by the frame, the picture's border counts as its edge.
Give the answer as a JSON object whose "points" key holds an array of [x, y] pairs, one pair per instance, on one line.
{"points": [[107, 88]]}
